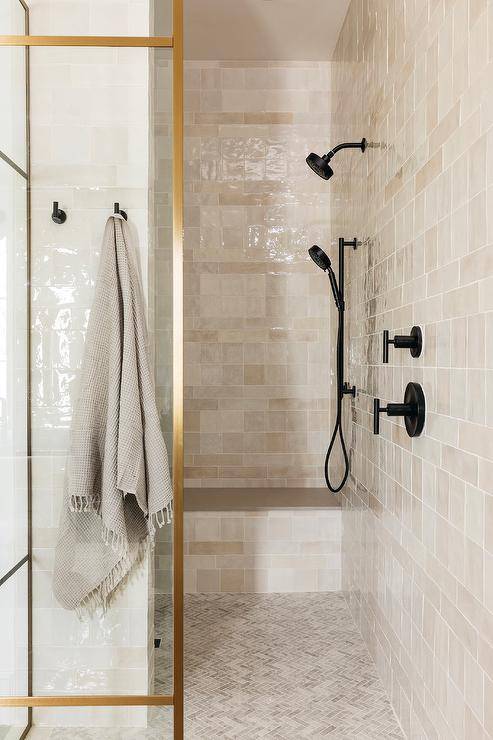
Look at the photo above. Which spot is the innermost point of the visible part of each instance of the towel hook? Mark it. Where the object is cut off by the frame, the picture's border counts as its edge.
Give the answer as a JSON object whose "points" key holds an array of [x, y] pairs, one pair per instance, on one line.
{"points": [[116, 209], [57, 215]]}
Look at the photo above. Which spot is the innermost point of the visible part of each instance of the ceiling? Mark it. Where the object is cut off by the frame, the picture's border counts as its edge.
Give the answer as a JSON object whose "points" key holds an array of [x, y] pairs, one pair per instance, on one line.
{"points": [[294, 30]]}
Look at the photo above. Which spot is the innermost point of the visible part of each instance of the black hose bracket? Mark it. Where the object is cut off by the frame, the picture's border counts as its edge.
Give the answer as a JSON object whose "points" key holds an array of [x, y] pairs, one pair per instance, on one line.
{"points": [[349, 390]]}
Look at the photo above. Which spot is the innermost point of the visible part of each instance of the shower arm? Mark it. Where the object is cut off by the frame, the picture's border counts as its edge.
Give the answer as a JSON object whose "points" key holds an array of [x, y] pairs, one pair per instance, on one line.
{"points": [[348, 145]]}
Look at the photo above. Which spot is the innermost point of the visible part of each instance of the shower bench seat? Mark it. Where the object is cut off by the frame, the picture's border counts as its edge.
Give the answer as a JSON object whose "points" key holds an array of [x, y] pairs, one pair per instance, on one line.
{"points": [[262, 540]]}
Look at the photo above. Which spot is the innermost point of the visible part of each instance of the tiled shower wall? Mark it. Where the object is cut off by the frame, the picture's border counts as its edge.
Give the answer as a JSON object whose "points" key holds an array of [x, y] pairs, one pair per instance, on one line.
{"points": [[416, 78], [263, 551], [256, 311]]}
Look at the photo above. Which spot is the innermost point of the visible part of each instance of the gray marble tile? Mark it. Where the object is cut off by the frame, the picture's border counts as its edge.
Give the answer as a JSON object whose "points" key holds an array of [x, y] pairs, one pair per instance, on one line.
{"points": [[285, 666]]}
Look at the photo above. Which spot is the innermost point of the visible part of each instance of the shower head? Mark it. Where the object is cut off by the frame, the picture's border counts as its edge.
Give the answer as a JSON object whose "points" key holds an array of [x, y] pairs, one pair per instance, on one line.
{"points": [[320, 165], [321, 260]]}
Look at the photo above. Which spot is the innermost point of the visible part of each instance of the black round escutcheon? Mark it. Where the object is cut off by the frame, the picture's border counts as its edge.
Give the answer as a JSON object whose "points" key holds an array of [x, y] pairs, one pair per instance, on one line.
{"points": [[416, 333], [414, 396]]}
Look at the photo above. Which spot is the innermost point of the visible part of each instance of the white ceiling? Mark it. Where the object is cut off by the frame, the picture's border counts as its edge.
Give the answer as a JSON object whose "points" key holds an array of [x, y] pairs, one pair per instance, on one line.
{"points": [[263, 29]]}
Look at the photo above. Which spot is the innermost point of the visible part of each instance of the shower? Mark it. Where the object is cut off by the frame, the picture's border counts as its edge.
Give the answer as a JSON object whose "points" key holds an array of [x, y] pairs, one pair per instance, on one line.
{"points": [[343, 388], [320, 165], [321, 260]]}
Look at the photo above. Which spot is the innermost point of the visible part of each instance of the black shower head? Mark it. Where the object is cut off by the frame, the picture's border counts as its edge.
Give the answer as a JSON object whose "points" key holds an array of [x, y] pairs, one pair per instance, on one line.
{"points": [[320, 258], [320, 165]]}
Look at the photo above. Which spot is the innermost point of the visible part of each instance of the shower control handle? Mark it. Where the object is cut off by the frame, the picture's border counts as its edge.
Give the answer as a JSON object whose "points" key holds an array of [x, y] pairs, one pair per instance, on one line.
{"points": [[413, 410], [413, 342]]}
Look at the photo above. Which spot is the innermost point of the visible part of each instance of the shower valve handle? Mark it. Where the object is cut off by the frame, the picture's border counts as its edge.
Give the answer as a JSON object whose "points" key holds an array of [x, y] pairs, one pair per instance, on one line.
{"points": [[391, 409], [413, 410], [413, 342]]}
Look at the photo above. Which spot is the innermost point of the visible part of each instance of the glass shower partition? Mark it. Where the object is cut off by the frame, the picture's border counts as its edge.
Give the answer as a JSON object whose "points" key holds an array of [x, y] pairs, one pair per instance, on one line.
{"points": [[15, 561], [105, 122]]}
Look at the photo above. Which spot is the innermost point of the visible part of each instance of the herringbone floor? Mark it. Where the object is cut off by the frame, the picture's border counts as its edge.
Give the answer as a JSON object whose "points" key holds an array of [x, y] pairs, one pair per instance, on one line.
{"points": [[284, 666], [277, 666]]}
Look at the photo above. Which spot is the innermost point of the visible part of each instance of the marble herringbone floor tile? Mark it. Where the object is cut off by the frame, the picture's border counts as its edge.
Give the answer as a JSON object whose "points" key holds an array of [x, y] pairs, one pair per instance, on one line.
{"points": [[276, 666], [283, 666]]}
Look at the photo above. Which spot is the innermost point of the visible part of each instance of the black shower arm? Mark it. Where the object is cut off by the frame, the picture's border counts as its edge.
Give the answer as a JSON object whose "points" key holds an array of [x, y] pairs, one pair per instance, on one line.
{"points": [[348, 145]]}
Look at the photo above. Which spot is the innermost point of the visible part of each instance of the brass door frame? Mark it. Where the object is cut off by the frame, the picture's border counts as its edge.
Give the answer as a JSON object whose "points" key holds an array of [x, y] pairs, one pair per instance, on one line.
{"points": [[161, 42], [175, 42]]}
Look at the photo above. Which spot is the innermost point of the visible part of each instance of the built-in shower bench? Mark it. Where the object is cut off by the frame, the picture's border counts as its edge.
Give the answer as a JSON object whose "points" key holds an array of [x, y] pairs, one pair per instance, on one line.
{"points": [[262, 540]]}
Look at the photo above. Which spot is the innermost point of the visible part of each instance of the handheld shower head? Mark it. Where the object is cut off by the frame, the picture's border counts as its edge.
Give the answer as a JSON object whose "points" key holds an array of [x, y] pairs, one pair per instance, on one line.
{"points": [[320, 165], [321, 260]]}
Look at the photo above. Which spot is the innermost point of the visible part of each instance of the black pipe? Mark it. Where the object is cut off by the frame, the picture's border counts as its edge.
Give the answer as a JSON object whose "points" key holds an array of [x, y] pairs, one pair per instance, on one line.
{"points": [[350, 145]]}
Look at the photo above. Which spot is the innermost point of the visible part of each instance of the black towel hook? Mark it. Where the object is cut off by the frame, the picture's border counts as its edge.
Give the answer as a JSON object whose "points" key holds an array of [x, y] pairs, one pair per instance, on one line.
{"points": [[116, 210], [57, 215]]}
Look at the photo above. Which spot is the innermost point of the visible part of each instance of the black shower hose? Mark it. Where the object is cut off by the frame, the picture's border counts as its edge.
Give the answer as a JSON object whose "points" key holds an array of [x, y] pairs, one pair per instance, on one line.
{"points": [[338, 425]]}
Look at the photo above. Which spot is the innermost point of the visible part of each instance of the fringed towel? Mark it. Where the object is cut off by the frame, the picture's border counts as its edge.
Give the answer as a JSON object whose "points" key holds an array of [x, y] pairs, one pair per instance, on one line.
{"points": [[117, 484]]}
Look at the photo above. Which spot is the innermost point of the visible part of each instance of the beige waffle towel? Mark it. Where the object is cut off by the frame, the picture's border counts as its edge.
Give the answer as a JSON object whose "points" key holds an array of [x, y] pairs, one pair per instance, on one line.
{"points": [[118, 483]]}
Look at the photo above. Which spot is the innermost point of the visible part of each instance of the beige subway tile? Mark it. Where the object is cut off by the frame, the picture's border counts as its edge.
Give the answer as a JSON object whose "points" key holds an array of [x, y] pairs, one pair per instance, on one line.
{"points": [[255, 528], [279, 528], [190, 581], [232, 580], [477, 439], [447, 126], [429, 172], [461, 302], [220, 547], [208, 581], [460, 463], [256, 580], [477, 265], [232, 529]]}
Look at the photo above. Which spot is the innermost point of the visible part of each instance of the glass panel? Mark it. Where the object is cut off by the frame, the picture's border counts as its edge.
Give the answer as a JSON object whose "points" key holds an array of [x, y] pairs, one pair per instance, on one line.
{"points": [[110, 723], [13, 85], [101, 18], [13, 651], [13, 367], [12, 18], [161, 296], [163, 18], [97, 145]]}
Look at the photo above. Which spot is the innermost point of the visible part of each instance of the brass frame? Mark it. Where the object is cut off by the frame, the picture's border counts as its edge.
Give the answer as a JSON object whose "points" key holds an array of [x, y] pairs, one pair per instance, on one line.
{"points": [[146, 42], [176, 44], [178, 451]]}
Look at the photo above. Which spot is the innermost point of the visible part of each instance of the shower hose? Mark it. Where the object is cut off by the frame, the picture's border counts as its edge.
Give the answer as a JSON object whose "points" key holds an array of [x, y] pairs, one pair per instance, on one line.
{"points": [[338, 432]]}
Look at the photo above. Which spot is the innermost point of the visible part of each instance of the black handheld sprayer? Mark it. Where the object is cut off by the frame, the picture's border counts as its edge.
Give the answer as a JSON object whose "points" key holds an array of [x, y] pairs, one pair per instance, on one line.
{"points": [[322, 261]]}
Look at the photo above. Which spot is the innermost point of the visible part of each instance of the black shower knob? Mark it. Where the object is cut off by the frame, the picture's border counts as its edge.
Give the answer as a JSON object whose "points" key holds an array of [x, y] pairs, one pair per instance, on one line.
{"points": [[413, 342], [413, 410]]}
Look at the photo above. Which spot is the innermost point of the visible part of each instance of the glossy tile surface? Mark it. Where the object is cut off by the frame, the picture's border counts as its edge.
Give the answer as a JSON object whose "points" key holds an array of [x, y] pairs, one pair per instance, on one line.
{"points": [[256, 309], [268, 551], [90, 141], [416, 78]]}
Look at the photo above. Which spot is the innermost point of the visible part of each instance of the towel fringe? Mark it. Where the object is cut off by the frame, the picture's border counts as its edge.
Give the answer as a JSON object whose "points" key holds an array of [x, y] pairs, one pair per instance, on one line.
{"points": [[85, 503], [125, 570], [117, 542], [161, 517]]}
